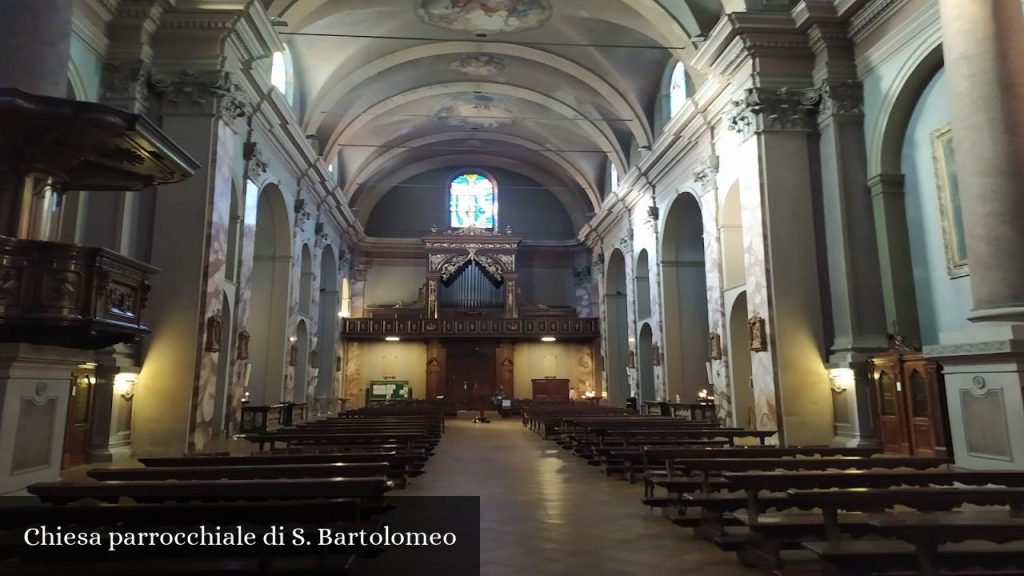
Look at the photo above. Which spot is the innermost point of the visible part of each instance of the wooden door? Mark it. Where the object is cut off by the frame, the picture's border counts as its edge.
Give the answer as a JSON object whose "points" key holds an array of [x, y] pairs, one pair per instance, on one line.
{"points": [[926, 407], [892, 421], [77, 431], [471, 374]]}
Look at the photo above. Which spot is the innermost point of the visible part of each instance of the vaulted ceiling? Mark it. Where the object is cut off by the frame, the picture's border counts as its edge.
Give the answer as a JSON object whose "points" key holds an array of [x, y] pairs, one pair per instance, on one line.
{"points": [[552, 89]]}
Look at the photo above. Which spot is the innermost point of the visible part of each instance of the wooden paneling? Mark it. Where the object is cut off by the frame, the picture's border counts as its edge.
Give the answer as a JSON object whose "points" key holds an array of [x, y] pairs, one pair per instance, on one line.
{"points": [[505, 328]]}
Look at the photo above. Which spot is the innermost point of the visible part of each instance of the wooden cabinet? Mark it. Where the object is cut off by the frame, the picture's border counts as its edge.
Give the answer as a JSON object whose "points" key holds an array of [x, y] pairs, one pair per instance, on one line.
{"points": [[910, 404]]}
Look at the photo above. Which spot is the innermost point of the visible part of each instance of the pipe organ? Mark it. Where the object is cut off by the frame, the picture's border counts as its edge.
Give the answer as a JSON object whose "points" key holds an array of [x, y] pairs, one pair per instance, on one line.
{"points": [[472, 270]]}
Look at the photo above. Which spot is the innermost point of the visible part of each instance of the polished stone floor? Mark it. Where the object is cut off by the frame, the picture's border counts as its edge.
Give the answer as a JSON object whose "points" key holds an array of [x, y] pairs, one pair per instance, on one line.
{"points": [[545, 512]]}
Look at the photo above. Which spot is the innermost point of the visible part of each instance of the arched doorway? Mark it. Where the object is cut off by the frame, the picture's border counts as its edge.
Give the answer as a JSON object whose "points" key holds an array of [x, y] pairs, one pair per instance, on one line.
{"points": [[305, 281], [617, 334], [327, 329], [685, 299], [743, 411], [645, 363], [267, 323], [301, 363]]}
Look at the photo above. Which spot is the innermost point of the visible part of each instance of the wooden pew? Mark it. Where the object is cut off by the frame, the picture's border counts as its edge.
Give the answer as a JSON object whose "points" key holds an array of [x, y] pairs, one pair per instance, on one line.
{"points": [[371, 488], [411, 464], [256, 472], [927, 531], [411, 440]]}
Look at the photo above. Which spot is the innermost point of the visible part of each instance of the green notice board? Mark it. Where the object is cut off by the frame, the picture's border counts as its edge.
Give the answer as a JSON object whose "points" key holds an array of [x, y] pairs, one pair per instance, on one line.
{"points": [[383, 390]]}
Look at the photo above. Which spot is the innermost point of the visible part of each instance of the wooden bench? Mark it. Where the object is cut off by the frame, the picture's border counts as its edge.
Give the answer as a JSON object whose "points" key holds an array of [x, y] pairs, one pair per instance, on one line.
{"points": [[255, 472], [409, 439], [372, 489]]}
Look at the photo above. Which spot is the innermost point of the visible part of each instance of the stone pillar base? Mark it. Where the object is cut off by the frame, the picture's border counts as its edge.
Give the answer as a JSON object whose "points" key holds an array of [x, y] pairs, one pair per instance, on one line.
{"points": [[853, 415], [983, 383], [34, 392]]}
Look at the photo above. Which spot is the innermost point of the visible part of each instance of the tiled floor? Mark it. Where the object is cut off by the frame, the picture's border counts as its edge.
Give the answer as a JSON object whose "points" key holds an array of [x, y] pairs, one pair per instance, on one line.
{"points": [[544, 512]]}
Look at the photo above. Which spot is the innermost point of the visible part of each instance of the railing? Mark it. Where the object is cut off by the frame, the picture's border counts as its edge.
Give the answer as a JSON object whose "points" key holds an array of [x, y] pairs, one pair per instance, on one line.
{"points": [[509, 328]]}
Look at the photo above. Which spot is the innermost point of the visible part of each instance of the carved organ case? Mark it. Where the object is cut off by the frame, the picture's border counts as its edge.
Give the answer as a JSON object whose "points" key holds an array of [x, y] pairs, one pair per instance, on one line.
{"points": [[472, 271], [910, 402]]}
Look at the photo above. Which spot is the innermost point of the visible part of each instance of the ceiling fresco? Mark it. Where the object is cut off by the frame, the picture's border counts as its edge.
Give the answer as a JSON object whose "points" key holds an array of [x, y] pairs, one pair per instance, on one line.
{"points": [[480, 65], [485, 16], [475, 111]]}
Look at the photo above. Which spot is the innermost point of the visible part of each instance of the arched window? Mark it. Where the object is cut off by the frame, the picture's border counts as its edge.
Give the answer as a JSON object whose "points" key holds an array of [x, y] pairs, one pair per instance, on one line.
{"points": [[472, 201], [613, 177], [677, 93], [281, 73]]}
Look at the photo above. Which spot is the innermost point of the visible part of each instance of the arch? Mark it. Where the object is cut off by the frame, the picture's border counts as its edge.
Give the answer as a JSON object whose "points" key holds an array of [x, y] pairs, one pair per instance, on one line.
{"points": [[327, 329], [897, 108], [305, 281], [730, 227], [269, 289], [343, 81], [645, 363], [599, 132], [684, 298], [282, 73], [617, 339], [743, 412], [642, 279], [472, 199], [300, 386]]}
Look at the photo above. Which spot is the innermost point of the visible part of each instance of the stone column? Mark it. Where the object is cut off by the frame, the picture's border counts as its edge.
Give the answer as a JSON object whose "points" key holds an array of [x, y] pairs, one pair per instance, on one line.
{"points": [[851, 249], [35, 40], [983, 47]]}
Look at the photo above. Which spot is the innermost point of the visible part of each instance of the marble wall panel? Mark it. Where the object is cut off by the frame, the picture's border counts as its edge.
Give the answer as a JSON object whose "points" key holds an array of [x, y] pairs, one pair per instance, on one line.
{"points": [[205, 390], [716, 304], [243, 301]]}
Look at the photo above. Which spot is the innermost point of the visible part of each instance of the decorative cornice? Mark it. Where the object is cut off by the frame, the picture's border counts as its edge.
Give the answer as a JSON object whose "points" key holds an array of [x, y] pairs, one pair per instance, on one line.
{"points": [[871, 16], [211, 92]]}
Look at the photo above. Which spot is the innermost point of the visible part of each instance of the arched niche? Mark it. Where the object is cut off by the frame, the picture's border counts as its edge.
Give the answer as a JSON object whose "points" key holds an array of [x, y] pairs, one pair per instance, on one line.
{"points": [[301, 384], [744, 414], [684, 299], [231, 259], [643, 286], [645, 362], [731, 232], [617, 333], [268, 322], [305, 281], [327, 328]]}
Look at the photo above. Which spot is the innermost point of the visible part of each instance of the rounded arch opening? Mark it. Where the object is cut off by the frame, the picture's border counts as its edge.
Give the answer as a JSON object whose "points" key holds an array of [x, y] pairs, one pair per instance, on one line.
{"points": [[301, 384], [684, 285], [743, 412], [224, 365], [305, 281], [645, 361], [282, 73], [617, 335], [270, 279], [731, 232], [642, 278], [473, 200]]}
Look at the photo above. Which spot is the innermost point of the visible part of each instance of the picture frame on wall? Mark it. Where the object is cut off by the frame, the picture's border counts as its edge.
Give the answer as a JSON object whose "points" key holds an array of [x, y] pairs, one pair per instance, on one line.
{"points": [[950, 208]]}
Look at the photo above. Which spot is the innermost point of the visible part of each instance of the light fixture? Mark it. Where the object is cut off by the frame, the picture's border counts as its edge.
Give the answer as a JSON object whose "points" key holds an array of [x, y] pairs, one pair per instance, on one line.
{"points": [[330, 168], [842, 379], [548, 339], [124, 384], [292, 339], [278, 22], [392, 339]]}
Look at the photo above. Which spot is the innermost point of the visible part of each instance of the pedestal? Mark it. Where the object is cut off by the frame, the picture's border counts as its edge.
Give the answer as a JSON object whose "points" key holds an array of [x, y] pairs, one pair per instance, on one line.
{"points": [[984, 379], [853, 414], [34, 392]]}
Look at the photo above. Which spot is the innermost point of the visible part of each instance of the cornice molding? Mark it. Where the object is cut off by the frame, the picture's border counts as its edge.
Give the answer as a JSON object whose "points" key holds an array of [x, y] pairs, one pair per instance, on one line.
{"points": [[867, 19]]}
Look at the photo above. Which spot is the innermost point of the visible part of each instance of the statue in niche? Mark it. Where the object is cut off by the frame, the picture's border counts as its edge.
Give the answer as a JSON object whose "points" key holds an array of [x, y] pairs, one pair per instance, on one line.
{"points": [[293, 355], [715, 346], [214, 325], [758, 341], [337, 363], [656, 355], [243, 345]]}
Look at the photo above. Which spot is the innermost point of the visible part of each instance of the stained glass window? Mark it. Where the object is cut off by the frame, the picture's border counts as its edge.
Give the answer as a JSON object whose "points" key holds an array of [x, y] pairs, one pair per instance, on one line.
{"points": [[613, 178], [472, 201], [677, 89]]}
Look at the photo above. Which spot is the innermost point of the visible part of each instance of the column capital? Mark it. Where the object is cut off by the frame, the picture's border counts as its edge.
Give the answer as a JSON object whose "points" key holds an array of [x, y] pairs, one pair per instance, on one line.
{"points": [[200, 93], [774, 110], [841, 98]]}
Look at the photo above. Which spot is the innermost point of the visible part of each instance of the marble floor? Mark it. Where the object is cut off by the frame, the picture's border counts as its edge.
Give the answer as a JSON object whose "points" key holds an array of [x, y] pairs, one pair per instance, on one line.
{"points": [[545, 512]]}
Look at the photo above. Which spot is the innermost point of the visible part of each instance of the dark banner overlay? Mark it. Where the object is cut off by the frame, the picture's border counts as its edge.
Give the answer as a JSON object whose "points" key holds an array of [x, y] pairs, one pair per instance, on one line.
{"points": [[417, 536]]}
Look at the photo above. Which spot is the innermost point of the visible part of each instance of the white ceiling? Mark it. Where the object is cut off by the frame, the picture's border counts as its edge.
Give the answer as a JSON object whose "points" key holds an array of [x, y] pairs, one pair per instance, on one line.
{"points": [[542, 94]]}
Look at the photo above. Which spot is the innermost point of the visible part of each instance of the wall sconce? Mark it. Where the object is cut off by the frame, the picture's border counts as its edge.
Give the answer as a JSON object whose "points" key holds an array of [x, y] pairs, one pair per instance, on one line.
{"points": [[842, 379], [124, 384]]}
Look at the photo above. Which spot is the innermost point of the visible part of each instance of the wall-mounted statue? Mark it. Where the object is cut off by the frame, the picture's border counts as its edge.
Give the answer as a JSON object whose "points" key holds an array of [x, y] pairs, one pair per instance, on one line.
{"points": [[758, 338], [715, 346], [242, 350], [214, 324]]}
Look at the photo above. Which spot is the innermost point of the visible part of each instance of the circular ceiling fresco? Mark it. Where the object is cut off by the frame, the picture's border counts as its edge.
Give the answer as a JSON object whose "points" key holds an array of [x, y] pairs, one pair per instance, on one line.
{"points": [[485, 16]]}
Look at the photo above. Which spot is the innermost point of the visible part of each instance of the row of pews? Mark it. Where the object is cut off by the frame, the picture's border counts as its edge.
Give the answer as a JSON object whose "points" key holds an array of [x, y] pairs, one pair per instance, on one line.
{"points": [[808, 510], [334, 473]]}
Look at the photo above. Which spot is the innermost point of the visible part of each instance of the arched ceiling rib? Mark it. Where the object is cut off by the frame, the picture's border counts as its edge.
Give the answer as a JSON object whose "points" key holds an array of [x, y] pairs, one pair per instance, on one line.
{"points": [[563, 86]]}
